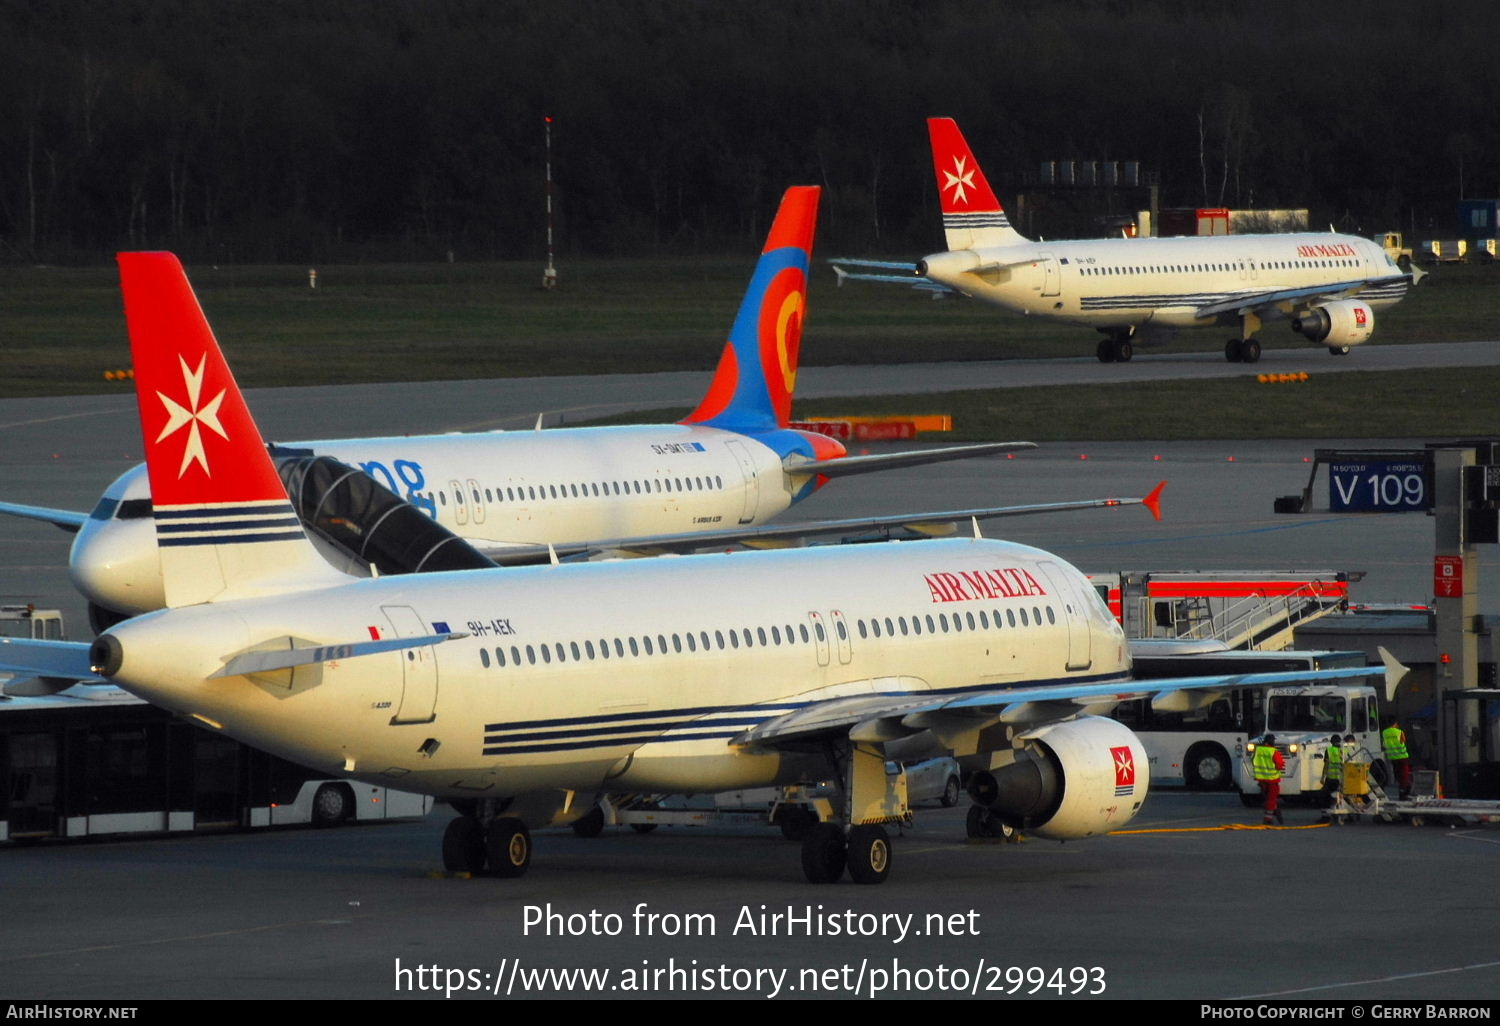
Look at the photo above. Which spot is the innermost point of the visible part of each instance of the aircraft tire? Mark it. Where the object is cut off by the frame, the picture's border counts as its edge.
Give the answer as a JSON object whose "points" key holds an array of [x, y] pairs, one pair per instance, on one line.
{"points": [[463, 846], [331, 805], [1106, 351], [590, 824], [509, 844], [1339, 350], [869, 856], [823, 854], [1123, 350], [1250, 351], [1232, 351]]}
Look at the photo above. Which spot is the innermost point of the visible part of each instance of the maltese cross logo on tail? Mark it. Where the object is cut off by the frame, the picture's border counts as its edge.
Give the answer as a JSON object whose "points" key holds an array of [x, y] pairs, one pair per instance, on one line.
{"points": [[959, 179], [191, 415], [1124, 770]]}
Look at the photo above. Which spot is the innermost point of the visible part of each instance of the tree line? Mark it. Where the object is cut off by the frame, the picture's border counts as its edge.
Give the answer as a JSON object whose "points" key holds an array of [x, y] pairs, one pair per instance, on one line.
{"points": [[272, 130]]}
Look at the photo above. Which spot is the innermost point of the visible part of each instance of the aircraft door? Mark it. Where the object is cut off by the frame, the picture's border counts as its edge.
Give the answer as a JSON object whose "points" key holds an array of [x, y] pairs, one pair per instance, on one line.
{"points": [[1075, 614], [418, 666], [1051, 275], [841, 635], [478, 498], [819, 636], [460, 503], [751, 482]]}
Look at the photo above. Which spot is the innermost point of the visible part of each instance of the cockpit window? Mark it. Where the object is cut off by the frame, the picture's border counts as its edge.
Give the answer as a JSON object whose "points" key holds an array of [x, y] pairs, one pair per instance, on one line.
{"points": [[134, 509]]}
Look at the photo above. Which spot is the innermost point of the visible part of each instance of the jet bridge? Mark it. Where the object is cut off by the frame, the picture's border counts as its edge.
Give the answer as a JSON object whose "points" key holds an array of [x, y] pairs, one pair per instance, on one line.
{"points": [[364, 523]]}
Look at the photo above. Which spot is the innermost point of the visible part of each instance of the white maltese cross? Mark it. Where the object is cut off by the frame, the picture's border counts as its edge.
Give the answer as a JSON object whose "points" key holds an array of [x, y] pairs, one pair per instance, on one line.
{"points": [[191, 416], [959, 179]]}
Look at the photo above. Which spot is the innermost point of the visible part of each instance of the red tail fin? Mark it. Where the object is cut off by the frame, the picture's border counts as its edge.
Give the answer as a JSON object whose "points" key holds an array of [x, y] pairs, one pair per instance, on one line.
{"points": [[223, 521], [972, 215]]}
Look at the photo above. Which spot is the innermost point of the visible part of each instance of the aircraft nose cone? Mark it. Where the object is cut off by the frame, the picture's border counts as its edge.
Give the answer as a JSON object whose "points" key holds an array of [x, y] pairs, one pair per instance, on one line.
{"points": [[115, 564]]}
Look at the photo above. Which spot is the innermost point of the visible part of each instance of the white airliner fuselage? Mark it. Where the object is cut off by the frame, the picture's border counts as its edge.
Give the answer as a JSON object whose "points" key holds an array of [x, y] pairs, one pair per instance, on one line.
{"points": [[1117, 284], [497, 490], [627, 676]]}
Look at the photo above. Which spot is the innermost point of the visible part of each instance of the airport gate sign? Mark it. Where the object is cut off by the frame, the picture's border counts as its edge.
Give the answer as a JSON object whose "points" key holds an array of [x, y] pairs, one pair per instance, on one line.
{"points": [[1379, 486]]}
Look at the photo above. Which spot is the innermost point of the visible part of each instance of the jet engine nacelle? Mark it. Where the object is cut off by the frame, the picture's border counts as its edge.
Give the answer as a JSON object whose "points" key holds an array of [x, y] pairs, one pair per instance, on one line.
{"points": [[1073, 779], [1347, 322]]}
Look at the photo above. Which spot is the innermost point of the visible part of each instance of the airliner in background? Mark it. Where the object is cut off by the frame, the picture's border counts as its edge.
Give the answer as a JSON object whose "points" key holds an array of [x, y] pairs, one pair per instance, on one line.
{"points": [[714, 478], [519, 693], [1328, 285]]}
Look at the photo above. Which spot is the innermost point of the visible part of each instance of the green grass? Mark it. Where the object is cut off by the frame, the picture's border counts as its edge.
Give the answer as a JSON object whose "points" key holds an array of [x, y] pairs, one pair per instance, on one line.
{"points": [[61, 329]]}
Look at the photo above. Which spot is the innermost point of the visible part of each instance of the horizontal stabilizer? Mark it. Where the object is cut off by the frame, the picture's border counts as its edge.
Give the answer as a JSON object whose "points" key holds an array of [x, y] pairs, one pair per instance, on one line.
{"points": [[63, 659], [265, 661]]}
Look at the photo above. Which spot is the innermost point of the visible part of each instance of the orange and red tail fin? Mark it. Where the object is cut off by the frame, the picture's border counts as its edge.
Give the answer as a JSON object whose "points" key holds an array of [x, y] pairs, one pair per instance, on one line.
{"points": [[223, 520], [972, 215], [752, 389]]}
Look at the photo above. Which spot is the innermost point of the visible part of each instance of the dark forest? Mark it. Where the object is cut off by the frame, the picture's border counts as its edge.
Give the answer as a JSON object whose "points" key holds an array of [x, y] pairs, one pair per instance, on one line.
{"points": [[349, 130]]}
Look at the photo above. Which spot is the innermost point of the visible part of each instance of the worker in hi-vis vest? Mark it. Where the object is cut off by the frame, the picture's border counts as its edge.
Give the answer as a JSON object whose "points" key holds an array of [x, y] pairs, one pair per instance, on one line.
{"points": [[1333, 770], [1268, 765], [1393, 745]]}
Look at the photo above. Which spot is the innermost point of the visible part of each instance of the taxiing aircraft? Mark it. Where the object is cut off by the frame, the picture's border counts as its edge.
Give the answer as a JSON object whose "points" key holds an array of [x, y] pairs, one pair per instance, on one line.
{"points": [[518, 693], [1329, 286], [730, 466]]}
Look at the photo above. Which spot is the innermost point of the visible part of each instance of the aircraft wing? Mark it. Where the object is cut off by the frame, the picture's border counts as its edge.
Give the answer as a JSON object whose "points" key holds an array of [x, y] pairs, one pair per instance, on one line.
{"points": [[789, 534], [888, 715], [66, 519], [1248, 301], [847, 465]]}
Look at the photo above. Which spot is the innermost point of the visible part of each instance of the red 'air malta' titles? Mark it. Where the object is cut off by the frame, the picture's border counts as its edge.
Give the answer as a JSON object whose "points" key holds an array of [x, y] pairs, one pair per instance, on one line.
{"points": [[970, 585], [1326, 285]]}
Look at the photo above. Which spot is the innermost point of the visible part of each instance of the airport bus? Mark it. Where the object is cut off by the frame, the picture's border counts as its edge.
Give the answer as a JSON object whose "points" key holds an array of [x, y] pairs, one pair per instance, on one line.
{"points": [[1198, 748], [94, 760]]}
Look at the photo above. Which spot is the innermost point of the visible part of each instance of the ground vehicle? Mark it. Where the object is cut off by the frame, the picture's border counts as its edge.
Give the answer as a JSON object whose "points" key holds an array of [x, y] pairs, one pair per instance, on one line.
{"points": [[1198, 747], [30, 622], [94, 760], [1303, 720]]}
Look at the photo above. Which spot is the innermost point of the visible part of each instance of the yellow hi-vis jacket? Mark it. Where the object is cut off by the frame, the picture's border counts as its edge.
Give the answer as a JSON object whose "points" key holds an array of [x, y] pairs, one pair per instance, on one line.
{"points": [[1265, 763], [1335, 767], [1393, 740]]}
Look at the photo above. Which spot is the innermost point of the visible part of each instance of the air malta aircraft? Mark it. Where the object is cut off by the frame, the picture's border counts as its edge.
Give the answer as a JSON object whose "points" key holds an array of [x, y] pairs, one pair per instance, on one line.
{"points": [[519, 693], [1329, 286], [715, 478]]}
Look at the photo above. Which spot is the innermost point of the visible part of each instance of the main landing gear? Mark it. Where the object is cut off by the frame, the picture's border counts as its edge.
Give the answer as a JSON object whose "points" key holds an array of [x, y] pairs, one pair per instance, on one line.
{"points": [[500, 845], [1242, 350], [1115, 349], [860, 844]]}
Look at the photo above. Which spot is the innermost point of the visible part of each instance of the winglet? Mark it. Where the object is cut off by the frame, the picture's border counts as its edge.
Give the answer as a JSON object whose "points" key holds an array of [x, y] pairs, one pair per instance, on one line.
{"points": [[1153, 501], [752, 388], [1394, 672]]}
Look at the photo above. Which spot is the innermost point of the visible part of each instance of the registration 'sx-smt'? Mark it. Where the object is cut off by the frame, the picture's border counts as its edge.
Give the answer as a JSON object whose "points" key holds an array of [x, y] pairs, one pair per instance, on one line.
{"points": [[519, 693]]}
